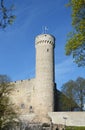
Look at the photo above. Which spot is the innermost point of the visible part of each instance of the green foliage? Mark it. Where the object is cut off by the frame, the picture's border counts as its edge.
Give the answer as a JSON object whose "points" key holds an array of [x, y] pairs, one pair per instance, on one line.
{"points": [[68, 96], [6, 16], [7, 113], [75, 128], [75, 91], [67, 104], [76, 42], [80, 91]]}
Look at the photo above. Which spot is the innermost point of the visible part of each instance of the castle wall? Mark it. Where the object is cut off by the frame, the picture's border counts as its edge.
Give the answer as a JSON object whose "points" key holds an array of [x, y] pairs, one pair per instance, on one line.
{"points": [[23, 95], [37, 95], [68, 118]]}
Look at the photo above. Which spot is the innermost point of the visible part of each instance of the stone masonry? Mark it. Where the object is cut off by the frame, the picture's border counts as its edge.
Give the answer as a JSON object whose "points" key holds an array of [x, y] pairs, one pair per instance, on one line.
{"points": [[35, 97]]}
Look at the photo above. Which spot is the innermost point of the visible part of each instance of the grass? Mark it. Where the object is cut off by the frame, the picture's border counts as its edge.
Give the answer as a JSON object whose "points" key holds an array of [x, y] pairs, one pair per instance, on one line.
{"points": [[75, 128]]}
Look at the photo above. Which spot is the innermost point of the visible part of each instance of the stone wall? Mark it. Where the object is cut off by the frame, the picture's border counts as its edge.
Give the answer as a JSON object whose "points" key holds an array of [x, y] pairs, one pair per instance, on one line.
{"points": [[23, 95], [44, 89], [68, 118]]}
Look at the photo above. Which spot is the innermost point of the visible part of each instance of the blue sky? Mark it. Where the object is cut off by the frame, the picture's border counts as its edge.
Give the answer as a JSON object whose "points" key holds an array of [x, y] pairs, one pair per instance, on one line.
{"points": [[17, 42]]}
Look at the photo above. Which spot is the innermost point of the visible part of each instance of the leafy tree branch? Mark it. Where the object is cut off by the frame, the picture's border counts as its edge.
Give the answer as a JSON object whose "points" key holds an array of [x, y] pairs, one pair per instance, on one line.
{"points": [[6, 16]]}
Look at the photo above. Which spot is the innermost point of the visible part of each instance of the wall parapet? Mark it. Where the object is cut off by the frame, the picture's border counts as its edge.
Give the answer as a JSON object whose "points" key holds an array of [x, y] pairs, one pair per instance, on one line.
{"points": [[45, 41], [20, 81], [68, 118]]}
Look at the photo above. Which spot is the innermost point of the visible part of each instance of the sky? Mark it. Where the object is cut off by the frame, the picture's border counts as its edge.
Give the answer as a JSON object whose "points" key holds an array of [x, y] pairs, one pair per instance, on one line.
{"points": [[17, 42]]}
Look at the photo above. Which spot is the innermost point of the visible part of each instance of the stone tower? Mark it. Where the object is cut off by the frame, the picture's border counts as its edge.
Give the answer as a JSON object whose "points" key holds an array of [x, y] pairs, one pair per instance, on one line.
{"points": [[44, 87]]}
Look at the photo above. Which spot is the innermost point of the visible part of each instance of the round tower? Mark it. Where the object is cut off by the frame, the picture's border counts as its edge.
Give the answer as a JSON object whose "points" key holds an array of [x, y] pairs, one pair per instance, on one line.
{"points": [[44, 87]]}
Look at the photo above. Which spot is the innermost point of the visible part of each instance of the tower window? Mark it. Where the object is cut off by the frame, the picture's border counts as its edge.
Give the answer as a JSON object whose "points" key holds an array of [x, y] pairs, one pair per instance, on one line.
{"points": [[30, 109], [22, 105], [17, 90], [47, 50]]}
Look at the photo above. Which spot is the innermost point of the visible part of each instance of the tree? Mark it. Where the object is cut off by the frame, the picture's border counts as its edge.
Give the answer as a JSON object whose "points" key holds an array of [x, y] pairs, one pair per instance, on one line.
{"points": [[75, 91], [80, 92], [6, 16], [68, 95], [76, 42], [7, 113]]}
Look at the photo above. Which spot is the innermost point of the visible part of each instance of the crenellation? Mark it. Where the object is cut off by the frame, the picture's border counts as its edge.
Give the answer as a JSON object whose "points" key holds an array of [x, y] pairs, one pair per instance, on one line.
{"points": [[19, 81], [45, 41]]}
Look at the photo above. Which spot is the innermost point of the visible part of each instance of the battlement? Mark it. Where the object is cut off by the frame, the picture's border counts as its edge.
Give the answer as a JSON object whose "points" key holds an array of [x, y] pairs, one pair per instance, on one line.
{"points": [[45, 39], [21, 81]]}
